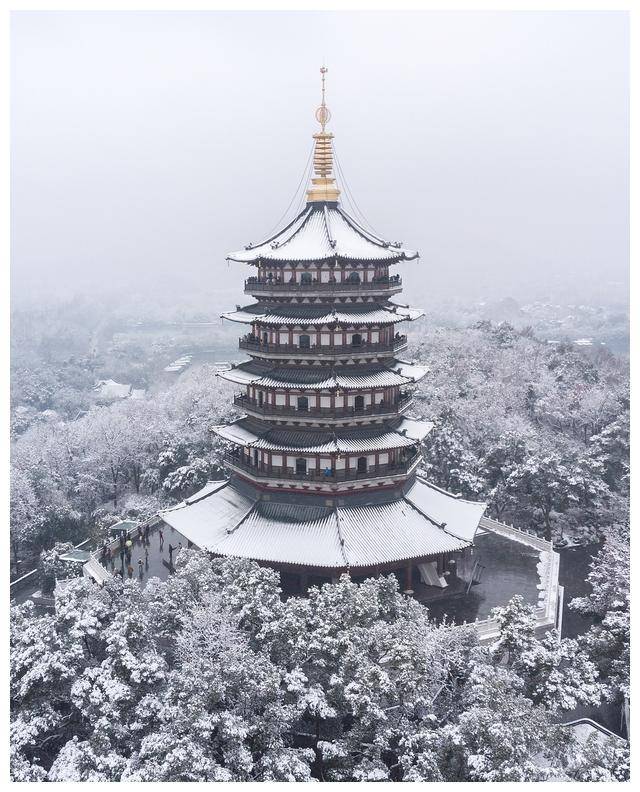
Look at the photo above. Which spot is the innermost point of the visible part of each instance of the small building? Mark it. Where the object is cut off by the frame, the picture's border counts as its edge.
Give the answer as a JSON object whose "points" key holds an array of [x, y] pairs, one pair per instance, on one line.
{"points": [[110, 390]]}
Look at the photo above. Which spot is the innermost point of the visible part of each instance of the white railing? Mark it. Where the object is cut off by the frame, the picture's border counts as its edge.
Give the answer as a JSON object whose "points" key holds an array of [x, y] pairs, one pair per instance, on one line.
{"points": [[515, 533], [546, 614]]}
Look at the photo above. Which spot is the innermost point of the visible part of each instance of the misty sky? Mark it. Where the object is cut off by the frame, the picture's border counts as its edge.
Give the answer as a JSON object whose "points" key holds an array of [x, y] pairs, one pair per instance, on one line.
{"points": [[145, 146]]}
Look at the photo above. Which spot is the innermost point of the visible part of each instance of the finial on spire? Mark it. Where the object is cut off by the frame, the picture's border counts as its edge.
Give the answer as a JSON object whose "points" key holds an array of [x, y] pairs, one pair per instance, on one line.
{"points": [[323, 185], [323, 114]]}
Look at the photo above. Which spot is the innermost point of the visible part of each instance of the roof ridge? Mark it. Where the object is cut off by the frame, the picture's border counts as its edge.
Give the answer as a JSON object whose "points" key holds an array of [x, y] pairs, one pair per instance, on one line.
{"points": [[442, 526], [359, 229], [341, 537], [239, 523], [452, 495], [276, 245], [266, 241], [327, 225]]}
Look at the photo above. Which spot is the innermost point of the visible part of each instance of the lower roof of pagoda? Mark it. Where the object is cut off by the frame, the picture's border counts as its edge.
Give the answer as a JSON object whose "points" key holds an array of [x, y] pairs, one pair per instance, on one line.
{"points": [[229, 518], [261, 374], [323, 231], [295, 314], [250, 433]]}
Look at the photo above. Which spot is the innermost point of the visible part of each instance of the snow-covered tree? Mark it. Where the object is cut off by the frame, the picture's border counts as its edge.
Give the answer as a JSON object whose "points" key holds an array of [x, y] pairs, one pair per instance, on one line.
{"points": [[607, 642]]}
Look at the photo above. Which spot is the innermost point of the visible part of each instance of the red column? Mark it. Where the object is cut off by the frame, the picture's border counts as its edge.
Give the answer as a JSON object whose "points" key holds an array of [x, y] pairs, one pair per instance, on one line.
{"points": [[408, 575]]}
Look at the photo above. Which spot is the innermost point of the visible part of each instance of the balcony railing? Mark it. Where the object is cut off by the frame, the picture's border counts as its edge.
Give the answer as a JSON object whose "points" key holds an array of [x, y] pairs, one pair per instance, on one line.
{"points": [[244, 464], [255, 345], [322, 413], [258, 285]]}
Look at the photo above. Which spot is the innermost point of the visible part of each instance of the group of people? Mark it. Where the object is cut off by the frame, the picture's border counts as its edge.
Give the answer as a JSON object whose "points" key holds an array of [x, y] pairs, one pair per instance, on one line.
{"points": [[124, 549]]}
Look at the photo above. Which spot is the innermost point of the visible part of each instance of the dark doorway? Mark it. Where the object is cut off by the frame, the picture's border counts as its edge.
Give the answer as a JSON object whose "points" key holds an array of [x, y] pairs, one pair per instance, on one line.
{"points": [[301, 467]]}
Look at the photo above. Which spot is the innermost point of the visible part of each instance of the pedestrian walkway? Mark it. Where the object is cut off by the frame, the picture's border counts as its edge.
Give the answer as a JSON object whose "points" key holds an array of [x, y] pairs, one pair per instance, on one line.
{"points": [[154, 558]]}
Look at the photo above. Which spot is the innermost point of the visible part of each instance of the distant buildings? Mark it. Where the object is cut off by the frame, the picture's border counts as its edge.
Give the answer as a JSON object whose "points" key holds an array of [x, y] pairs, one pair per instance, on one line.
{"points": [[109, 390]]}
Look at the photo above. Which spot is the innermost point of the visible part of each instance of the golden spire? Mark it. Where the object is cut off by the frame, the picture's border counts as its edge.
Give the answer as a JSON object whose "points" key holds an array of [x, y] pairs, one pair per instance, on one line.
{"points": [[323, 185]]}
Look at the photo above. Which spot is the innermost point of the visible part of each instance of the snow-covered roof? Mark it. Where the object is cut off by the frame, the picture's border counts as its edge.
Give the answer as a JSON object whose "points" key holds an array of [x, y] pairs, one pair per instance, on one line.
{"points": [[231, 522], [247, 432], [320, 378], [460, 517], [303, 315], [323, 232], [110, 389]]}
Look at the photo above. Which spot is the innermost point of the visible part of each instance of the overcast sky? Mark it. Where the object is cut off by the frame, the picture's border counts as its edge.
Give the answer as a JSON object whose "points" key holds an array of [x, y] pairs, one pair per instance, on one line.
{"points": [[145, 146]]}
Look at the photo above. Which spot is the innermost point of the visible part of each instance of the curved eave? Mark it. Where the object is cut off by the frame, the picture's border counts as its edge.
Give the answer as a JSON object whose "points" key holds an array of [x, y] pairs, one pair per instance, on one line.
{"points": [[323, 232], [229, 522], [398, 374], [394, 257], [246, 433], [383, 315]]}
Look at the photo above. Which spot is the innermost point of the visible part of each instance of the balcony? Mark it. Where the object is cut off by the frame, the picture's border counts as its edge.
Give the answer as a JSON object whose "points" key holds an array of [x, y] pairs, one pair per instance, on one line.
{"points": [[323, 414], [254, 346], [243, 464], [347, 288]]}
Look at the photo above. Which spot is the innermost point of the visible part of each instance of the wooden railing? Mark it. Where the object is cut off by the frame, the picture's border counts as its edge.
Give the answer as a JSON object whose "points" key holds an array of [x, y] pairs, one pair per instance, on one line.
{"points": [[252, 344], [241, 463], [255, 286], [385, 408]]}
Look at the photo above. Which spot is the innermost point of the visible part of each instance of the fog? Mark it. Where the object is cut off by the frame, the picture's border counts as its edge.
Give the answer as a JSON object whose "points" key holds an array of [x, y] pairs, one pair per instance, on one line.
{"points": [[145, 146]]}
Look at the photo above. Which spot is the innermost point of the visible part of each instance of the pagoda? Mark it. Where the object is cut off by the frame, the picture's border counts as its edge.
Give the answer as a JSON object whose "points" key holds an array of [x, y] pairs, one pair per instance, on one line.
{"points": [[324, 461]]}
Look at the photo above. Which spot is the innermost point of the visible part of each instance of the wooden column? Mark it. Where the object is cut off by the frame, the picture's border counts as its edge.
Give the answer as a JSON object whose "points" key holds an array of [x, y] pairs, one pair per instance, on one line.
{"points": [[408, 574]]}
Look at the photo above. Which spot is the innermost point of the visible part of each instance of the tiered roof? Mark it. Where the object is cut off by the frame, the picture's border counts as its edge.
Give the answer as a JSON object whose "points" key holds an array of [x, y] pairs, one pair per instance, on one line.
{"points": [[252, 434], [321, 315], [230, 520], [369, 522], [325, 377], [323, 232]]}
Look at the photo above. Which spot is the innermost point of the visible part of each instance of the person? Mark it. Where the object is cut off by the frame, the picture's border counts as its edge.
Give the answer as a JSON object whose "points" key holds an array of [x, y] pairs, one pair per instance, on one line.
{"points": [[140, 568], [170, 553], [146, 533], [179, 545], [130, 571], [161, 538]]}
